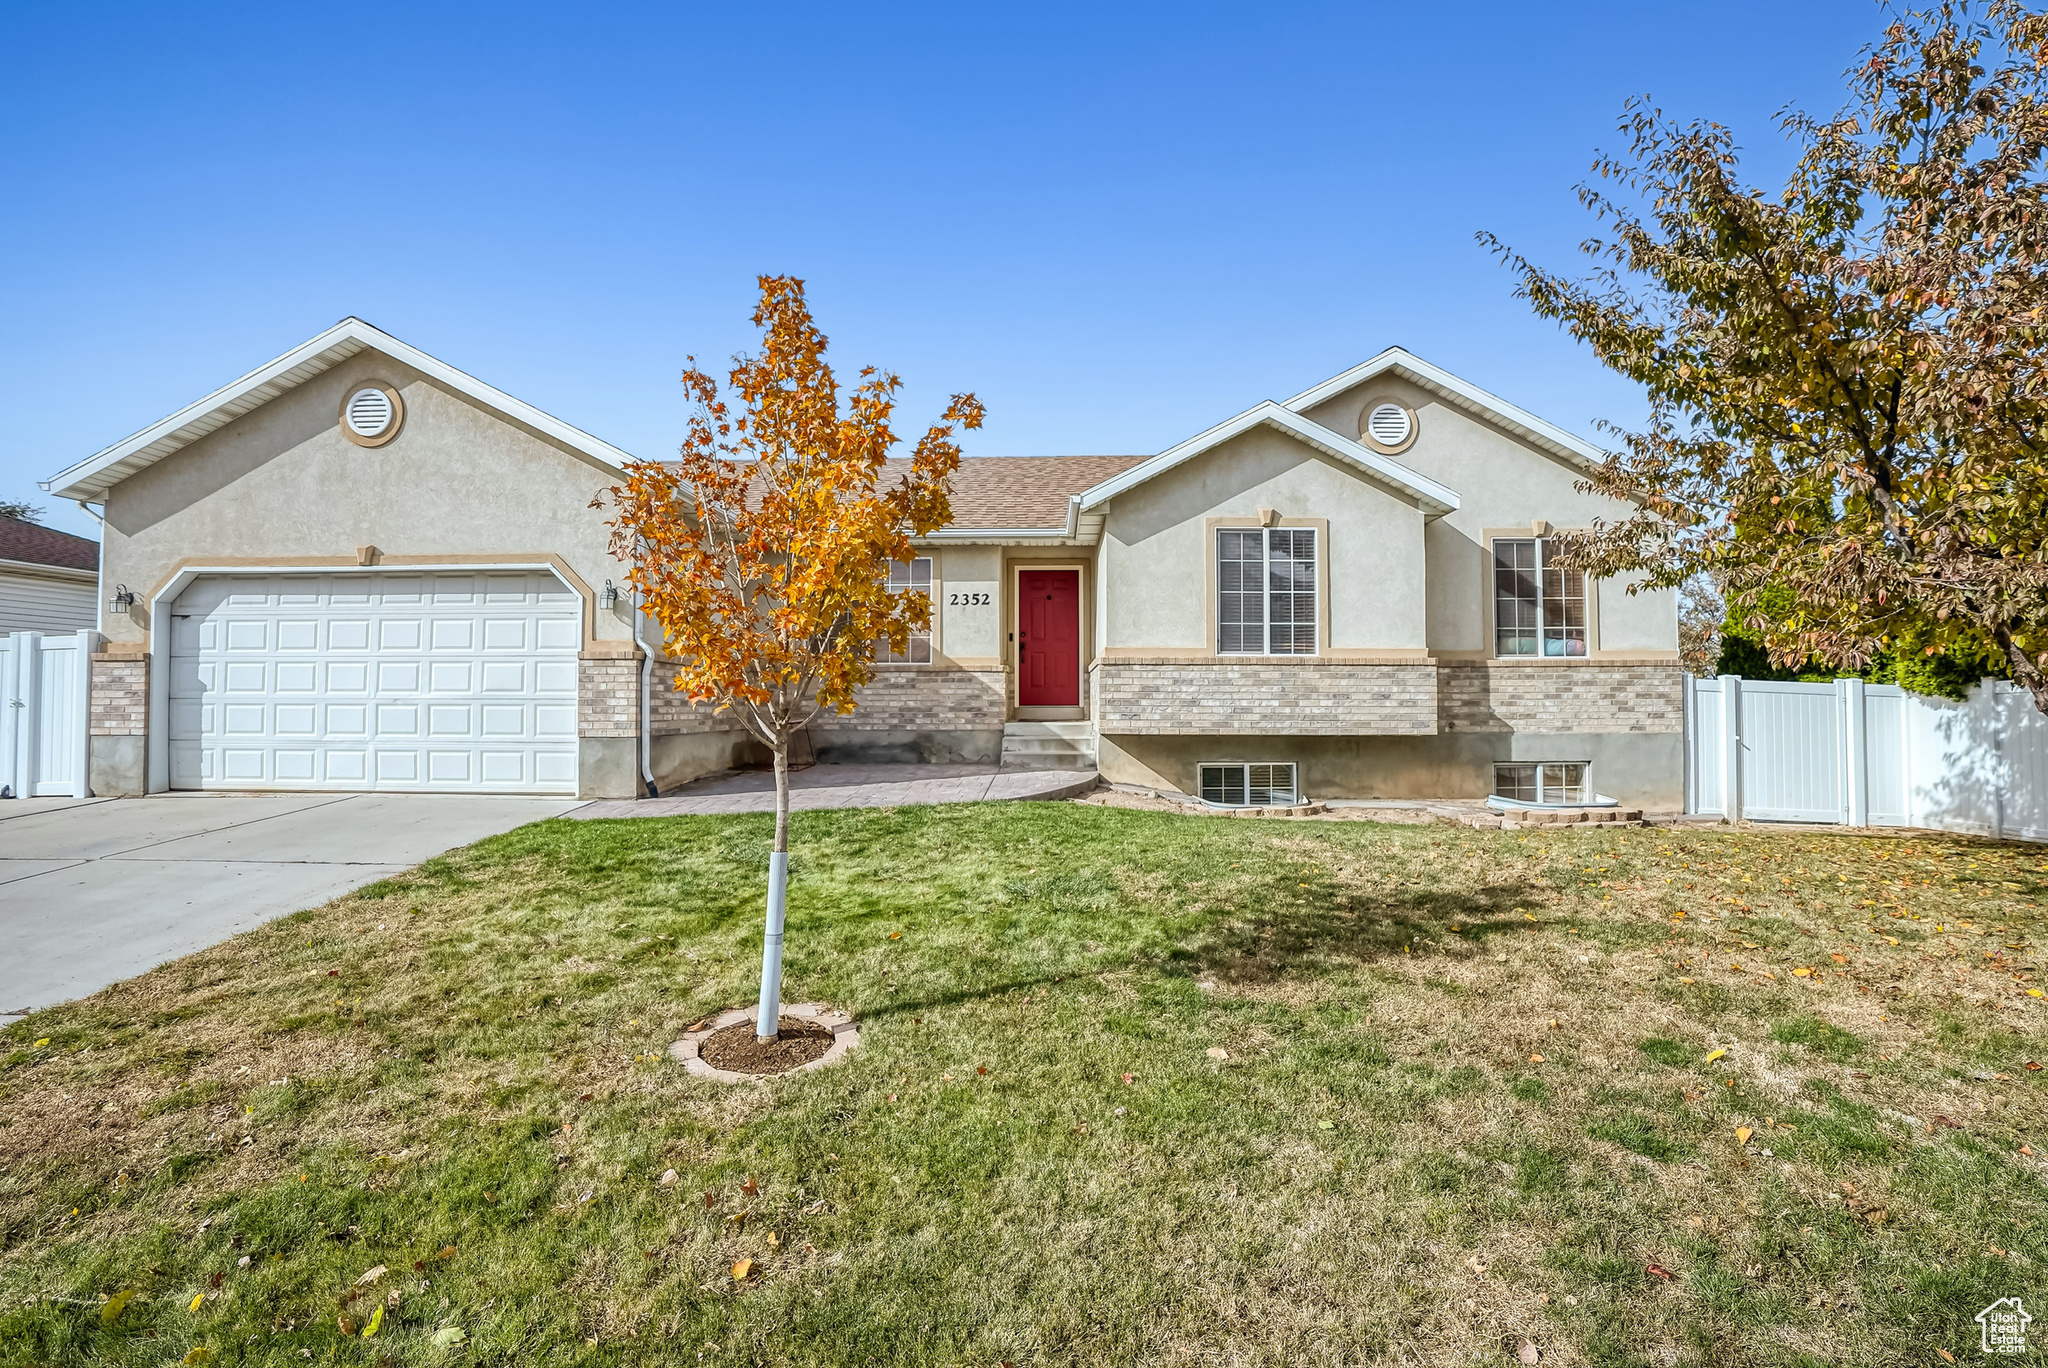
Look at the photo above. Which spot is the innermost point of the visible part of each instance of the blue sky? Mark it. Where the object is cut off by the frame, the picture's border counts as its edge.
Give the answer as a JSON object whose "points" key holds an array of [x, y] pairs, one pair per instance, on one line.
{"points": [[1118, 224]]}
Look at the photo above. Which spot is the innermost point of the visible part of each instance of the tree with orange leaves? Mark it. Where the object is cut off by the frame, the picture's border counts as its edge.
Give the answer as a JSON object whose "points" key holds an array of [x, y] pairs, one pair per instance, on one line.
{"points": [[764, 552]]}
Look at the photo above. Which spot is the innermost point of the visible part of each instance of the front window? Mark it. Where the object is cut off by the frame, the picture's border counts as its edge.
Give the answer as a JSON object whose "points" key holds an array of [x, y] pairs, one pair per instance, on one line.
{"points": [[1248, 785], [1266, 591], [1542, 782], [907, 577], [1539, 607]]}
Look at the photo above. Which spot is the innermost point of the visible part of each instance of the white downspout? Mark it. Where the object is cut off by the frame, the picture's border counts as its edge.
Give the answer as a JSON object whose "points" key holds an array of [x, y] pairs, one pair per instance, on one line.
{"points": [[646, 700]]}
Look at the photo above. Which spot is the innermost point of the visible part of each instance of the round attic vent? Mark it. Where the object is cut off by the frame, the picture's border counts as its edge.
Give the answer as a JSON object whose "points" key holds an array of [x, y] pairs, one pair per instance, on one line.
{"points": [[369, 412], [1389, 426], [370, 415]]}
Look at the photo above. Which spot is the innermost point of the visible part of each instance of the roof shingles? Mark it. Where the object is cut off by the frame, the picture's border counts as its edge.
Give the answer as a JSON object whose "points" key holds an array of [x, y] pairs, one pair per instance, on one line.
{"points": [[1014, 492], [34, 544]]}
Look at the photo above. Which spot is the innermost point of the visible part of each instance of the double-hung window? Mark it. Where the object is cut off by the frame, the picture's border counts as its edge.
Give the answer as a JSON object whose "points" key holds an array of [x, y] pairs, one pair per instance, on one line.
{"points": [[1539, 608], [907, 577], [1266, 591]]}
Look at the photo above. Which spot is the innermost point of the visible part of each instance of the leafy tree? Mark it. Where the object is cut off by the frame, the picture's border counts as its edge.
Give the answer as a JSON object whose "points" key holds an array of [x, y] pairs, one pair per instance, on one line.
{"points": [[764, 552], [1849, 397], [27, 512]]}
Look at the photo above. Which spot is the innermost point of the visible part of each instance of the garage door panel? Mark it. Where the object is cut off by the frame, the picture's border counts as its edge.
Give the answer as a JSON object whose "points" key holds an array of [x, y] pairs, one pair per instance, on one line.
{"points": [[376, 681]]}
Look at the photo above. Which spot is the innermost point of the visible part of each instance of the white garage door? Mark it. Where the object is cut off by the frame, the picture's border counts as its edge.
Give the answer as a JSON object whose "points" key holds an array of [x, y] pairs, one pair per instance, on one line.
{"points": [[379, 680]]}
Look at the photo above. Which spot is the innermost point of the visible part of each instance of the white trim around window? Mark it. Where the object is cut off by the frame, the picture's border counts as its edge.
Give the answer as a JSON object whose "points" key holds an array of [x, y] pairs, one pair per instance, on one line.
{"points": [[1540, 610], [1269, 590], [904, 577]]}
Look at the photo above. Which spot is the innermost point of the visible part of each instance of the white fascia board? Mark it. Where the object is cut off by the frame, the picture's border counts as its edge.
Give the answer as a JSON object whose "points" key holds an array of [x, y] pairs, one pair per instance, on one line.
{"points": [[346, 338], [1412, 367], [39, 570], [1435, 498]]}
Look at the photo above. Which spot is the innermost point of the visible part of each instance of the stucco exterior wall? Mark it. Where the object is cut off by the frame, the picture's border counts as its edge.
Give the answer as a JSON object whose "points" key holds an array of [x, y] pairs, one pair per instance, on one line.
{"points": [[1157, 546], [281, 485], [1502, 483]]}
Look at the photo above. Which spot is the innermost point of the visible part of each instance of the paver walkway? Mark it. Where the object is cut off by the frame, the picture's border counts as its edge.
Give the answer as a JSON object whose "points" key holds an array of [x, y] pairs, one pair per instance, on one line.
{"points": [[842, 786]]}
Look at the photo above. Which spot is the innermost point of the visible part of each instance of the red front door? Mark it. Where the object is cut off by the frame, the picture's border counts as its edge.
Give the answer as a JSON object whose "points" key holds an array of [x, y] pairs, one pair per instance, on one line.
{"points": [[1049, 638]]}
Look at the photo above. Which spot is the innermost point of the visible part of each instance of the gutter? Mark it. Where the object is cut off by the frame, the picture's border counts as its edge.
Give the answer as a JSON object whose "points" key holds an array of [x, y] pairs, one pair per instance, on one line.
{"points": [[646, 700]]}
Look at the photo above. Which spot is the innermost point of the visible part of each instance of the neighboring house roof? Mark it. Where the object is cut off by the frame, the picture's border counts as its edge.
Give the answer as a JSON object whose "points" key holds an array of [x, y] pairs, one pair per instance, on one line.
{"points": [[1462, 393], [96, 474], [1019, 493], [1435, 498], [30, 543]]}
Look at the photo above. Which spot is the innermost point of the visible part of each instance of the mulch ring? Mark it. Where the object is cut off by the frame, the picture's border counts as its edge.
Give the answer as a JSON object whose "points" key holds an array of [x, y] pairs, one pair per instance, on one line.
{"points": [[735, 1049]]}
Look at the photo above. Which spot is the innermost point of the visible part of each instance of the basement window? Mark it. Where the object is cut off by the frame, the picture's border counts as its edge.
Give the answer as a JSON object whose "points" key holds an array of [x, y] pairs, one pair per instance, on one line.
{"points": [[1547, 781], [1248, 785]]}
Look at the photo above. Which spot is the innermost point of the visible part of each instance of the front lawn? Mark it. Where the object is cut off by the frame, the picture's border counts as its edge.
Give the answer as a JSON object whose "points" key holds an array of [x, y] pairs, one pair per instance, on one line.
{"points": [[1134, 1088]]}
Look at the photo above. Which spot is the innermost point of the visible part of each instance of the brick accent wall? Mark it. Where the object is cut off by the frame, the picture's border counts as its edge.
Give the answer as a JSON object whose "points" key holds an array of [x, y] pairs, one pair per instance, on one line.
{"points": [[119, 695], [608, 697], [671, 713], [1556, 699], [1249, 698], [919, 699]]}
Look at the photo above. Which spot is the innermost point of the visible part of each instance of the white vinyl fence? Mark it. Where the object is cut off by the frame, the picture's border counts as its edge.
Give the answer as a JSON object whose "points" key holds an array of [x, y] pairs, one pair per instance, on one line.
{"points": [[1867, 755], [43, 713]]}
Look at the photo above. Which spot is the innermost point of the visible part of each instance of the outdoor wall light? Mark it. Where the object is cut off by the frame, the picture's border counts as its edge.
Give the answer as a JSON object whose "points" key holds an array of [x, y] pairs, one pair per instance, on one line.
{"points": [[609, 596], [123, 599]]}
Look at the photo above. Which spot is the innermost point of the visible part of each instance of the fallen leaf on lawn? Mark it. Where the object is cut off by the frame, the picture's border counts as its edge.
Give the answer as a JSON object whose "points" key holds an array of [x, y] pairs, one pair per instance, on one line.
{"points": [[2032, 1067], [895, 935], [980, 1069], [376, 1324], [116, 1304], [1716, 1055], [1839, 959], [1944, 1121], [1528, 1353], [372, 1276], [1326, 1125], [710, 1200], [741, 1269], [345, 1323], [1946, 1355], [1801, 972], [773, 1239], [668, 1177], [1130, 1078], [750, 1187], [447, 1252], [1475, 1265], [1657, 1270], [449, 1337], [1217, 1052], [1742, 1134], [198, 1353], [1535, 1059], [40, 1043], [2026, 1149]]}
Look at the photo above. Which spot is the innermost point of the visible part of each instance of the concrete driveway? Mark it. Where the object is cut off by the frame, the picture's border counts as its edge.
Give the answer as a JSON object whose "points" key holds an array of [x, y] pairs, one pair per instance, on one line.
{"points": [[95, 891]]}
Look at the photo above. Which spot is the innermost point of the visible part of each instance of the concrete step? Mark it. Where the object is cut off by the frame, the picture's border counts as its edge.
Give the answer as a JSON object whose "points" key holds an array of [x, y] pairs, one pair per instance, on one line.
{"points": [[1049, 745]]}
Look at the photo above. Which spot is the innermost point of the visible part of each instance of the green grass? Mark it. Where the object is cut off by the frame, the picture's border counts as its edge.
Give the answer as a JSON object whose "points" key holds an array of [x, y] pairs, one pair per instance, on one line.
{"points": [[1469, 1096]]}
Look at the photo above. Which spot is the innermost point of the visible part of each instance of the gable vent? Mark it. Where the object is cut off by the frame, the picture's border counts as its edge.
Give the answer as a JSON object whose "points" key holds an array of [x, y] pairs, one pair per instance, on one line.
{"points": [[1389, 425], [369, 412]]}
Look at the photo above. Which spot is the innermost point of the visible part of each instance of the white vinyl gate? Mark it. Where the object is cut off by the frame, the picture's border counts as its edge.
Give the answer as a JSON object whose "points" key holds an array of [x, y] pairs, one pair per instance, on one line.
{"points": [[43, 712], [1867, 755]]}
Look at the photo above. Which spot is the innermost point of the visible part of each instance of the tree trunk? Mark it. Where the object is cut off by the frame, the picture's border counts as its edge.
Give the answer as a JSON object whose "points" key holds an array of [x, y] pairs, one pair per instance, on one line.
{"points": [[767, 1020], [2025, 672]]}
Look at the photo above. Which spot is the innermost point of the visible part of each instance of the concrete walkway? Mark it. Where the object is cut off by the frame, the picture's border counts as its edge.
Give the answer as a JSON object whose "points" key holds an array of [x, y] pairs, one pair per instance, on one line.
{"points": [[95, 891], [844, 786]]}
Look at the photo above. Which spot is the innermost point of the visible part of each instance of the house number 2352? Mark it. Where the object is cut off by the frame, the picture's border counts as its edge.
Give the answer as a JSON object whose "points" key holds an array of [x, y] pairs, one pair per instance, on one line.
{"points": [[967, 600]]}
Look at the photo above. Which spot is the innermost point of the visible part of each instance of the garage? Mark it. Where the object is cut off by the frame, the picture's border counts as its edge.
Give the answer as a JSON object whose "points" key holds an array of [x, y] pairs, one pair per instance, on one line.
{"points": [[389, 681]]}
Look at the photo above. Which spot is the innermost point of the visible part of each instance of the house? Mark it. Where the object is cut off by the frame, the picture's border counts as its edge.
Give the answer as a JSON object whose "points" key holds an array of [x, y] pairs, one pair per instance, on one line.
{"points": [[358, 567], [49, 580]]}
